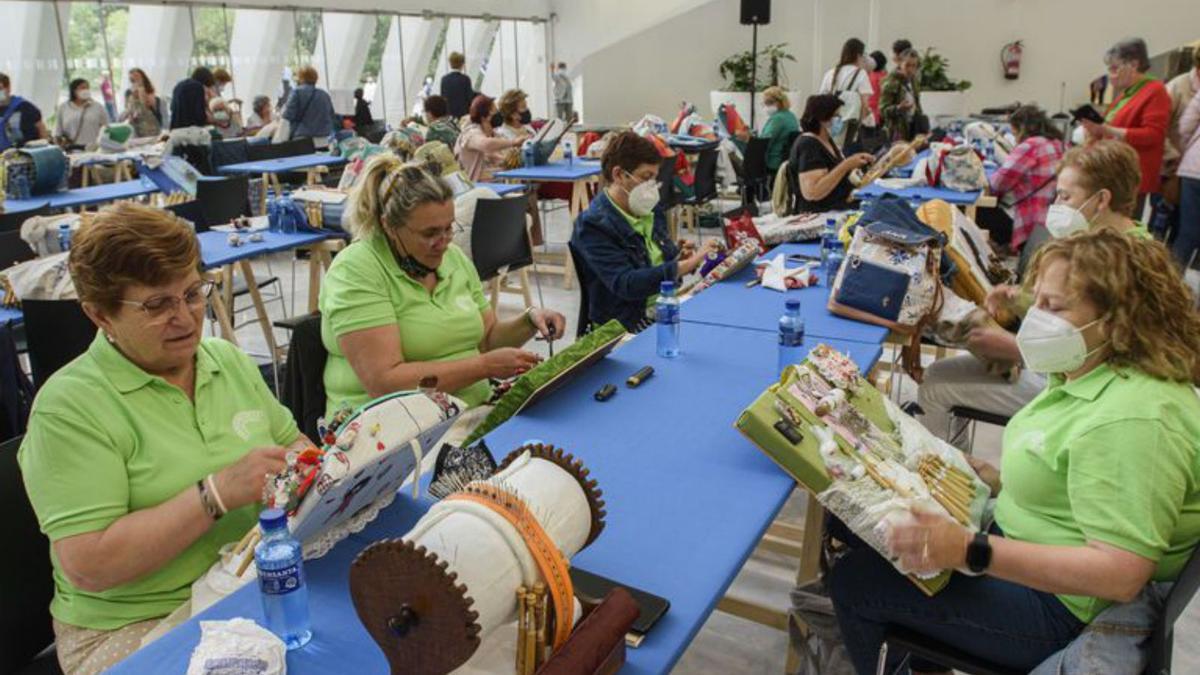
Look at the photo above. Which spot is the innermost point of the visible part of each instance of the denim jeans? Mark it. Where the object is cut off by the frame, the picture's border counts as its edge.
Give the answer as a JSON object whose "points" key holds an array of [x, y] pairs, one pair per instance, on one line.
{"points": [[999, 621], [1188, 238]]}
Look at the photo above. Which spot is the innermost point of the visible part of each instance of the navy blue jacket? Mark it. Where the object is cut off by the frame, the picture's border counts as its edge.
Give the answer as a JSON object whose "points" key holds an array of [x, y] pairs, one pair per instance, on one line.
{"points": [[456, 88], [618, 275]]}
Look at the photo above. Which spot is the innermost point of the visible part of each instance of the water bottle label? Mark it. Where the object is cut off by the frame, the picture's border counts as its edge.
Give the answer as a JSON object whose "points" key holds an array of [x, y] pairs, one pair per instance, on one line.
{"points": [[668, 314], [790, 338], [282, 581]]}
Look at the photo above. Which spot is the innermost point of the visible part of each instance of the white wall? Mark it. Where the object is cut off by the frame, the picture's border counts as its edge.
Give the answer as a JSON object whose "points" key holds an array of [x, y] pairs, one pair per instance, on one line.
{"points": [[674, 55]]}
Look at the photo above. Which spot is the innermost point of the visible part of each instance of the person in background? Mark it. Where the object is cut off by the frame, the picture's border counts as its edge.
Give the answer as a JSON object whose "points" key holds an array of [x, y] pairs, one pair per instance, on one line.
{"points": [[622, 237], [818, 174], [403, 303], [310, 110], [876, 77], [1097, 187], [1181, 89], [261, 114], [20, 120], [456, 87], [1188, 240], [850, 75], [1098, 485], [189, 100], [223, 80], [898, 48], [109, 96], [514, 116], [144, 110], [362, 111], [224, 121], [1138, 114], [149, 452], [900, 97], [79, 118], [1025, 181], [780, 125], [564, 96], [478, 149], [441, 126]]}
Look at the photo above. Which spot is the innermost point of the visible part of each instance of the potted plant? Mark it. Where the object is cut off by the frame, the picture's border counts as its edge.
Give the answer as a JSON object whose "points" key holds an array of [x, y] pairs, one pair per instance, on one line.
{"points": [[737, 70], [941, 95]]}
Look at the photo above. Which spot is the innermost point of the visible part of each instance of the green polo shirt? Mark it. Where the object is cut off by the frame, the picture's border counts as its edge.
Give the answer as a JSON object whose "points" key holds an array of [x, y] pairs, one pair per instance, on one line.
{"points": [[644, 226], [1111, 457], [365, 288], [779, 125], [106, 439]]}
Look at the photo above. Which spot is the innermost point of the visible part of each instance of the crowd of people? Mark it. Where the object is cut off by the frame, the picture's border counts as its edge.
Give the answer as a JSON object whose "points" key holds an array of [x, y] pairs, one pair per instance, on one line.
{"points": [[130, 446]]}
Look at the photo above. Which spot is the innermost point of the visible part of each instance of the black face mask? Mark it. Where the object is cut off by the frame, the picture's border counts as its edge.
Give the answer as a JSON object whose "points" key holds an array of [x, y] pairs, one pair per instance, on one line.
{"points": [[497, 121], [526, 117], [410, 265]]}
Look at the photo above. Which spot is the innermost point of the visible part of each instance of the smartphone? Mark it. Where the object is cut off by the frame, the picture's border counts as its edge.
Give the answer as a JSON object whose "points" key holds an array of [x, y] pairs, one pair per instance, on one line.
{"points": [[1089, 113]]}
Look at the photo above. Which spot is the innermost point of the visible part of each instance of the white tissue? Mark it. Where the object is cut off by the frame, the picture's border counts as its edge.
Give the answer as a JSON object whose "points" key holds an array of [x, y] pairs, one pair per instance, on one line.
{"points": [[237, 647]]}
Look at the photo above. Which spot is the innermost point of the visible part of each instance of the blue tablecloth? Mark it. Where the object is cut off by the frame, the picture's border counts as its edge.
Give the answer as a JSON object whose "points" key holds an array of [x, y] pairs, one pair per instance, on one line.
{"points": [[921, 194], [501, 188], [284, 164], [25, 205], [688, 498], [88, 196], [11, 315], [215, 250], [554, 171], [730, 303]]}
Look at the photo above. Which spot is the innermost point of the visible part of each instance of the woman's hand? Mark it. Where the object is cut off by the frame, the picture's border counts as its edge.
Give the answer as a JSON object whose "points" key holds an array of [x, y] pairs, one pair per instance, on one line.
{"points": [[987, 473], [242, 483], [508, 362], [692, 262], [928, 543], [858, 160], [548, 323], [995, 344], [1096, 131], [1001, 298], [906, 104]]}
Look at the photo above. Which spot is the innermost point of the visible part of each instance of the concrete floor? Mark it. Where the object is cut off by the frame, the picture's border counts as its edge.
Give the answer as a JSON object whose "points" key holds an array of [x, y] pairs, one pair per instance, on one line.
{"points": [[726, 644]]}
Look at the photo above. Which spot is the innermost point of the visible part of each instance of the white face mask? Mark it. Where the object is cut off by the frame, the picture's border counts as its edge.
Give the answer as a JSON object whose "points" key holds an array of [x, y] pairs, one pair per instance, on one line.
{"points": [[84, 95], [3, 95], [221, 116], [643, 198], [771, 109], [1063, 221], [1051, 344]]}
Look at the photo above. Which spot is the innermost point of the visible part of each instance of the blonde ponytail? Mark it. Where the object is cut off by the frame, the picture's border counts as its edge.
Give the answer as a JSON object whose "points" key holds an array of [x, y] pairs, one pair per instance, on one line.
{"points": [[388, 191]]}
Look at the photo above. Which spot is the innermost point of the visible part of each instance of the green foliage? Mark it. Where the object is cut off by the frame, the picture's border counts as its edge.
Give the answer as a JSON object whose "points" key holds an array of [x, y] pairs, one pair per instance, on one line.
{"points": [[209, 47], [383, 24], [934, 75], [737, 69]]}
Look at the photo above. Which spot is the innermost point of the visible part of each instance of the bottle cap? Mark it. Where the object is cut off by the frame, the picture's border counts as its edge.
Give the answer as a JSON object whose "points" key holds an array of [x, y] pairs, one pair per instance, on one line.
{"points": [[272, 519], [792, 303], [667, 287]]}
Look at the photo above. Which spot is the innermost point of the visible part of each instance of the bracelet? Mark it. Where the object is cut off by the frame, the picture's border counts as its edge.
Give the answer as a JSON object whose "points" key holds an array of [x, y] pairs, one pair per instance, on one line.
{"points": [[529, 318], [212, 488], [207, 502]]}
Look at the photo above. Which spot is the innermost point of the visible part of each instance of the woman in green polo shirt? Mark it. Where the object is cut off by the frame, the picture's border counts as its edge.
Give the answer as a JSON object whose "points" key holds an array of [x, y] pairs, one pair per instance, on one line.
{"points": [[403, 303], [149, 452], [1099, 486]]}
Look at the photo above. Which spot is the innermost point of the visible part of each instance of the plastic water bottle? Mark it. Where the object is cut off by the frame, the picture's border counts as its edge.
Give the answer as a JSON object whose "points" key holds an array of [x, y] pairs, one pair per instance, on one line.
{"points": [[273, 214], [833, 262], [280, 563], [666, 312], [791, 335], [21, 187], [528, 156], [568, 152], [828, 239], [64, 237], [287, 215]]}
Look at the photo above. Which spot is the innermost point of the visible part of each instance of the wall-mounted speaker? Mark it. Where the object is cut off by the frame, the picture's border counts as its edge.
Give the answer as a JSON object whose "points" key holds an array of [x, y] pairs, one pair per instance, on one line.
{"points": [[756, 12]]}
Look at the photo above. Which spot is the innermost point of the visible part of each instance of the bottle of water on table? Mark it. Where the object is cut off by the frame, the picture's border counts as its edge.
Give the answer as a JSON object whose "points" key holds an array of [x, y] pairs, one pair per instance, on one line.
{"points": [[280, 563], [568, 152], [791, 335], [830, 245], [64, 237], [666, 312]]}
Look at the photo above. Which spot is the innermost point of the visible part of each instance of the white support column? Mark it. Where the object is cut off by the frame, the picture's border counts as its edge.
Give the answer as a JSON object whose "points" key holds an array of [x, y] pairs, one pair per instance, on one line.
{"points": [[454, 43], [533, 67], [159, 41], [480, 35], [347, 40], [262, 40], [502, 66], [30, 53]]}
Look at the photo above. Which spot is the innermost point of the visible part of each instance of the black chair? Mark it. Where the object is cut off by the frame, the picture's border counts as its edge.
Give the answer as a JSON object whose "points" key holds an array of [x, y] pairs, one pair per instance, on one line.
{"points": [[704, 187], [303, 381], [294, 147], [56, 331], [259, 152], [13, 221], [583, 322], [221, 200], [790, 141], [667, 196], [755, 176], [13, 249], [973, 416], [191, 212], [500, 239], [1162, 640], [26, 581], [232, 151]]}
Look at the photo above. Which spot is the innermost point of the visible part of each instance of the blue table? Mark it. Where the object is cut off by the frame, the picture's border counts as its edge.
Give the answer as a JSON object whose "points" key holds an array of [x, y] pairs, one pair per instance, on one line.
{"points": [[11, 315], [284, 164], [88, 196], [501, 188], [688, 498], [730, 303], [922, 194], [215, 250], [554, 172]]}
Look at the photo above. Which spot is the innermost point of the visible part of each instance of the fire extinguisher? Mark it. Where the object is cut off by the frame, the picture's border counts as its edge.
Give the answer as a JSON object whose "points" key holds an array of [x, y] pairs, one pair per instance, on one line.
{"points": [[1010, 59]]}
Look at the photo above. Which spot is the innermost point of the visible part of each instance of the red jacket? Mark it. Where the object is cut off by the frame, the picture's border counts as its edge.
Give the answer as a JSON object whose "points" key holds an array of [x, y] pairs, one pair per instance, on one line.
{"points": [[1145, 119]]}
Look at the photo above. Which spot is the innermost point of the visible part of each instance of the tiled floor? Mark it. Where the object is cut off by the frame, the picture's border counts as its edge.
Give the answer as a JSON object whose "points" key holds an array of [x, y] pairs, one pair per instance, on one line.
{"points": [[726, 644]]}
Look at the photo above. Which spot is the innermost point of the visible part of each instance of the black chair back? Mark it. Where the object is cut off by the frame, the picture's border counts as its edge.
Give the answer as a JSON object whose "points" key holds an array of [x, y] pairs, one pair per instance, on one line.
{"points": [[191, 212], [667, 196], [199, 156], [584, 273], [56, 331], [755, 163], [1162, 641], [221, 200], [13, 221], [499, 237], [26, 581], [296, 146], [789, 142], [706, 176], [13, 249], [232, 151], [304, 378], [262, 151]]}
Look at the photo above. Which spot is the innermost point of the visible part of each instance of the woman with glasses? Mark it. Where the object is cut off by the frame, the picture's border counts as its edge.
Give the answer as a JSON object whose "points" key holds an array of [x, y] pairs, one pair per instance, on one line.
{"points": [[403, 303], [149, 452], [622, 239]]}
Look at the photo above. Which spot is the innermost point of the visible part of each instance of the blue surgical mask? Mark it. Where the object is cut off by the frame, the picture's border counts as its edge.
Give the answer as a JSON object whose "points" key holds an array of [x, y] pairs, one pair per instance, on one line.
{"points": [[837, 126]]}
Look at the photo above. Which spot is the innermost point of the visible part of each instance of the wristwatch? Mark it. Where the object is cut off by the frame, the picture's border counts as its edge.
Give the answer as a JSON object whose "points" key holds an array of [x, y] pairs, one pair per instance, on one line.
{"points": [[979, 553]]}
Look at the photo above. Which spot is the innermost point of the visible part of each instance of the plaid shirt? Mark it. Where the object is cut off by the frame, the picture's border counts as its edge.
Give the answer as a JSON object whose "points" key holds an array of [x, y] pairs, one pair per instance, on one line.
{"points": [[1027, 180]]}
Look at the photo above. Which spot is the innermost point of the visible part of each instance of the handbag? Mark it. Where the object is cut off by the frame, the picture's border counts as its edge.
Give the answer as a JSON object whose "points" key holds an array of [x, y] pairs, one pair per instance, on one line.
{"points": [[956, 167]]}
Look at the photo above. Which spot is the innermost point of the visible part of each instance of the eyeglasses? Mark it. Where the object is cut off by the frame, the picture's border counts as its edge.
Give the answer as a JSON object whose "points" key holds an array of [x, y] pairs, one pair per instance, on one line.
{"points": [[161, 308], [441, 234]]}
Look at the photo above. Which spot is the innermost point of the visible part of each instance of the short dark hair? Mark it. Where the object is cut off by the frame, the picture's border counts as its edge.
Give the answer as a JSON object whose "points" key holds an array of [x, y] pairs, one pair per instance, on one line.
{"points": [[1030, 121], [457, 60], [880, 59], [204, 76], [627, 151], [4, 81], [818, 109], [76, 84], [436, 106], [358, 93], [261, 101], [900, 46], [481, 107], [852, 50]]}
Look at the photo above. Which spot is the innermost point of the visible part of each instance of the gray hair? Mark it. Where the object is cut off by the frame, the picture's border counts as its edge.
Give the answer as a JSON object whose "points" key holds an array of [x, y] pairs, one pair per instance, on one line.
{"points": [[259, 102], [910, 53], [388, 191], [1129, 50]]}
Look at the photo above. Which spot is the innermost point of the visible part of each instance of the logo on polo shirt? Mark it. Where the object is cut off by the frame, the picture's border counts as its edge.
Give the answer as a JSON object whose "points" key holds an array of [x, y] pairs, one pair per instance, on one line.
{"points": [[246, 422], [466, 303]]}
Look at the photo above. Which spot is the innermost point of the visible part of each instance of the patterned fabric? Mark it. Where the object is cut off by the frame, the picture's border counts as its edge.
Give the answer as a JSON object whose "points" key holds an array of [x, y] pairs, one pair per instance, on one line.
{"points": [[87, 651], [444, 130], [1026, 179], [896, 89]]}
